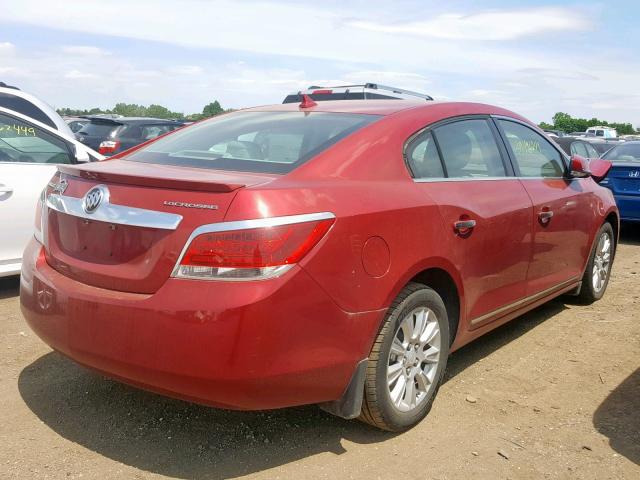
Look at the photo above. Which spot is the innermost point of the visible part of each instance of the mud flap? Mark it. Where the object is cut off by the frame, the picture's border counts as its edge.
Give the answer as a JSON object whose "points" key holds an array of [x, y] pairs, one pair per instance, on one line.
{"points": [[576, 291], [349, 405]]}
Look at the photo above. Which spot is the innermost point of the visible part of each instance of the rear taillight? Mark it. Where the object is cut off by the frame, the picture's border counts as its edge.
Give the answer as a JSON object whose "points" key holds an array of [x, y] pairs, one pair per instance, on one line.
{"points": [[252, 249], [39, 225], [108, 147]]}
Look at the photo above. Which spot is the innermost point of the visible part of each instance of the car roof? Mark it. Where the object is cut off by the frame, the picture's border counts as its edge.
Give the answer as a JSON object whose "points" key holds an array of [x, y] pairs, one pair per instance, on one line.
{"points": [[629, 142], [32, 102], [567, 140], [387, 107], [130, 120]]}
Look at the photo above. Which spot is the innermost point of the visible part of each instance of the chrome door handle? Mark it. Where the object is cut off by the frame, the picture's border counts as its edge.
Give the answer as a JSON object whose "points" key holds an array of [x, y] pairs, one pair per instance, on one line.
{"points": [[463, 225], [5, 189], [545, 216]]}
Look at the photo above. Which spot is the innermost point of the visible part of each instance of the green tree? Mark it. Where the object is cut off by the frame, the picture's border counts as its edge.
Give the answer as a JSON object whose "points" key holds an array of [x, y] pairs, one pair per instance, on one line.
{"points": [[566, 123], [154, 110], [158, 111], [212, 109]]}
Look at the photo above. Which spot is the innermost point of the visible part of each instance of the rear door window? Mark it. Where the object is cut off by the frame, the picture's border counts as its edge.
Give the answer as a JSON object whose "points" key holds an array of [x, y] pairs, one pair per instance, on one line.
{"points": [[422, 157], [533, 154], [22, 142], [270, 142], [591, 152], [99, 129], [578, 148], [468, 149], [152, 131]]}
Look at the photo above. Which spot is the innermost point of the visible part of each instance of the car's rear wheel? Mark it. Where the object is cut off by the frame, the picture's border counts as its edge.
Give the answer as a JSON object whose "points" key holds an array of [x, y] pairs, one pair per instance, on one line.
{"points": [[596, 276], [407, 361]]}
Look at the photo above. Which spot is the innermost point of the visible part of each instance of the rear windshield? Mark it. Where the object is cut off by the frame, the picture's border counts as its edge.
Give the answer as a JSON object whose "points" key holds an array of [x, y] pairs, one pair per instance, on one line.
{"points": [[269, 142], [96, 129], [624, 153]]}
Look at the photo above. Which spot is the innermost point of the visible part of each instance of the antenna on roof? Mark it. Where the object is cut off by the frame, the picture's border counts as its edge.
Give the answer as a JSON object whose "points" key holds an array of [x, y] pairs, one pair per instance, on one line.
{"points": [[307, 102]]}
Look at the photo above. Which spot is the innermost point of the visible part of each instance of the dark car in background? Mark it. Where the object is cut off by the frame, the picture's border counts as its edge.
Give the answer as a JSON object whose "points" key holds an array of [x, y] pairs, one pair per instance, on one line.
{"points": [[602, 146], [624, 179], [76, 123], [114, 135], [577, 146]]}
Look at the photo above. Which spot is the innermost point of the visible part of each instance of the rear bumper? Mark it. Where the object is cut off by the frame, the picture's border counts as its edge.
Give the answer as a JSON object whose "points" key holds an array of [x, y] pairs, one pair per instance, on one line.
{"points": [[257, 345], [629, 207]]}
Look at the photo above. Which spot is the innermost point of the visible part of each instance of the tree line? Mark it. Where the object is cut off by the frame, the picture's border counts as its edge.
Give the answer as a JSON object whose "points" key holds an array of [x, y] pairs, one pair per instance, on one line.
{"points": [[153, 111], [566, 123], [561, 121]]}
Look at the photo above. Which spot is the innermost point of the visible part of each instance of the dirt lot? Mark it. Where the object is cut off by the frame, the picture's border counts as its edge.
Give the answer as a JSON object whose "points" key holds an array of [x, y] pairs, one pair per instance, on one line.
{"points": [[554, 394]]}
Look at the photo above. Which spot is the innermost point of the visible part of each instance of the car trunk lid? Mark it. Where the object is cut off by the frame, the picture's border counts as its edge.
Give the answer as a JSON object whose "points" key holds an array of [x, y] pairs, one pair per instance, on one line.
{"points": [[625, 178], [132, 239]]}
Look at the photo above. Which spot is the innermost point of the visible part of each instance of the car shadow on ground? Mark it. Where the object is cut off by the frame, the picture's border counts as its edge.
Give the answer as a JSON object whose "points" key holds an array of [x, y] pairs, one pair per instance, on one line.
{"points": [[618, 419], [630, 233], [9, 287], [494, 340], [183, 440]]}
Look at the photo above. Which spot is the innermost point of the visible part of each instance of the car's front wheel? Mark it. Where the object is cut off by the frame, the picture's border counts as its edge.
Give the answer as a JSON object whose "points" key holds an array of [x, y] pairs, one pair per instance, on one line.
{"points": [[407, 361]]}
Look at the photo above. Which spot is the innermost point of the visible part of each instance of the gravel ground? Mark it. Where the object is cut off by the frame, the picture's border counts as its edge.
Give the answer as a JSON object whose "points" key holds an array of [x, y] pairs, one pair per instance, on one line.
{"points": [[553, 394]]}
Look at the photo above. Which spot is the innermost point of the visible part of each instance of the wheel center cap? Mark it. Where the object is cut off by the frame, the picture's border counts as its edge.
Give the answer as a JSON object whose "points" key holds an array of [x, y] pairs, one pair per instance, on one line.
{"points": [[410, 356]]}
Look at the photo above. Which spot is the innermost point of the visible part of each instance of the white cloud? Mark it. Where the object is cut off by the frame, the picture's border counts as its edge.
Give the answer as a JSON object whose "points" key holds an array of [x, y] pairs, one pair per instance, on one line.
{"points": [[185, 70], [78, 75], [83, 50], [7, 49], [490, 25], [291, 46], [13, 71], [281, 29]]}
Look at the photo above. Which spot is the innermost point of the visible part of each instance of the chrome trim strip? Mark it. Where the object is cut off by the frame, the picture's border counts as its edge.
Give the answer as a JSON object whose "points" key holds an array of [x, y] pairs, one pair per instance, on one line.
{"points": [[524, 301], [470, 179], [112, 213], [246, 224], [460, 179]]}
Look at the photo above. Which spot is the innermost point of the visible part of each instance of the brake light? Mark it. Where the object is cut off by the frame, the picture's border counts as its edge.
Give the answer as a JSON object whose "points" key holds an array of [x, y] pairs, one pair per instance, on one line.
{"points": [[264, 248], [322, 92], [307, 102], [39, 225], [108, 147]]}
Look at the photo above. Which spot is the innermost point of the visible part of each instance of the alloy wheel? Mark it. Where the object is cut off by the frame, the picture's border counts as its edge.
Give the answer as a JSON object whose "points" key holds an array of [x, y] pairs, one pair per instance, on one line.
{"points": [[413, 359], [601, 262]]}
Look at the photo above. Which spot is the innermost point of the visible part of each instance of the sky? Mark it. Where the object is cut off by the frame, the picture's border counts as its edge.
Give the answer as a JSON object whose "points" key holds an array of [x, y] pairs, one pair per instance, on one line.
{"points": [[533, 57]]}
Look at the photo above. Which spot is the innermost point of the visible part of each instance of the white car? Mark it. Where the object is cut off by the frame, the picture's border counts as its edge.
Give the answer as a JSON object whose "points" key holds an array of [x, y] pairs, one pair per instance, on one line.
{"points": [[30, 152], [15, 99]]}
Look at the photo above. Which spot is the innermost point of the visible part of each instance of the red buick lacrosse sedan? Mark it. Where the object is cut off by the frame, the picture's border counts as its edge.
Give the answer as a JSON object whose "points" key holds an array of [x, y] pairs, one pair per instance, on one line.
{"points": [[332, 254]]}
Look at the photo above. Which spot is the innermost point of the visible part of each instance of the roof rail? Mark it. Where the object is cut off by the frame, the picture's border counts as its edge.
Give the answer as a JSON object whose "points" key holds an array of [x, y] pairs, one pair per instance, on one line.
{"points": [[377, 86]]}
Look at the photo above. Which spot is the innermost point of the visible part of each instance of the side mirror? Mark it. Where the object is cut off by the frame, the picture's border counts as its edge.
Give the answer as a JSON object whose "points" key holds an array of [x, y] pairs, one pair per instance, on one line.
{"points": [[599, 168], [579, 167]]}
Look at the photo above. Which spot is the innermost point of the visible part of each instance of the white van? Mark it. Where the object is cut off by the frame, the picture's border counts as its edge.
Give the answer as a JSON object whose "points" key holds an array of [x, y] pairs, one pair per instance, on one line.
{"points": [[602, 132]]}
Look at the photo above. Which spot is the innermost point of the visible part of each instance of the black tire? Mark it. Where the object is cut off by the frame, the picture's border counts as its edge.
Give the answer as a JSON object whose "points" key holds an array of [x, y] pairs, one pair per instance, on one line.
{"points": [[589, 292], [378, 408]]}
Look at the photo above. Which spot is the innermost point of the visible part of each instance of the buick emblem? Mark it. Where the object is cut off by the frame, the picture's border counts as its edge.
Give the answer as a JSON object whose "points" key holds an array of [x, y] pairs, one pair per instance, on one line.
{"points": [[634, 173], [45, 298], [94, 197]]}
